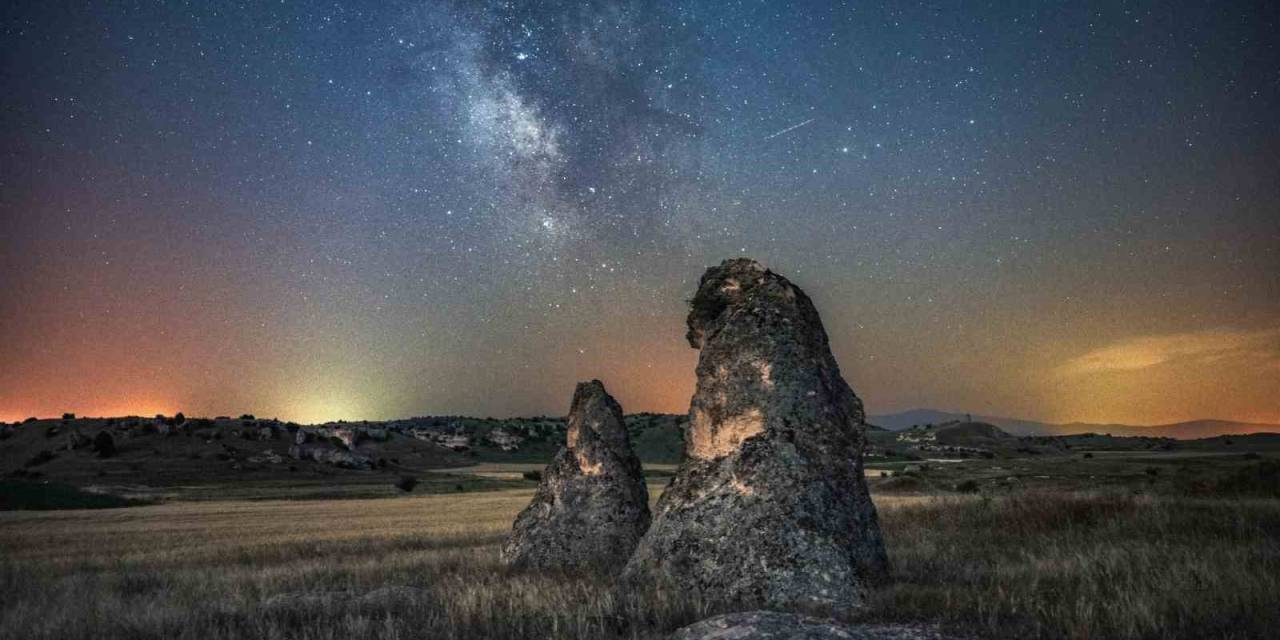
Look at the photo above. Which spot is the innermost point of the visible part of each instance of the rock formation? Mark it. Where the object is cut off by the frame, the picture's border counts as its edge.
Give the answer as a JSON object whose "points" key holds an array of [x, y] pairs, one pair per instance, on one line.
{"points": [[770, 506], [332, 455], [769, 625], [592, 505]]}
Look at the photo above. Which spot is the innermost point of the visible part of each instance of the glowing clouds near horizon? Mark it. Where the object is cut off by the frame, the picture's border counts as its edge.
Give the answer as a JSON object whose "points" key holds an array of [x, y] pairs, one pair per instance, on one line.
{"points": [[1169, 377], [1254, 350]]}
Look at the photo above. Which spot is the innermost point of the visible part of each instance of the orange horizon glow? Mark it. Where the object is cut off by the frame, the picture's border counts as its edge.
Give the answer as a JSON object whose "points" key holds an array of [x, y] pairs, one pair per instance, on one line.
{"points": [[211, 363]]}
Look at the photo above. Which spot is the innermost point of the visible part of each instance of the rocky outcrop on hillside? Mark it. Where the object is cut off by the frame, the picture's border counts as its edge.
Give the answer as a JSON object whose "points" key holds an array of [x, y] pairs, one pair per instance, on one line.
{"points": [[592, 505], [332, 455], [347, 436], [770, 506], [341, 445]]}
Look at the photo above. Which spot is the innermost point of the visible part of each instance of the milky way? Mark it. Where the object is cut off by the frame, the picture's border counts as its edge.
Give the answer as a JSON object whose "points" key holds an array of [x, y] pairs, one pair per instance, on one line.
{"points": [[368, 210]]}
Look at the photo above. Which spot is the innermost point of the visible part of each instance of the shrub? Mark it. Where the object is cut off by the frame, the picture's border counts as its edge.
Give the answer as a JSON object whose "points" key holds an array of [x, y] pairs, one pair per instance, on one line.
{"points": [[68, 416], [533, 475], [968, 486], [104, 444], [406, 483]]}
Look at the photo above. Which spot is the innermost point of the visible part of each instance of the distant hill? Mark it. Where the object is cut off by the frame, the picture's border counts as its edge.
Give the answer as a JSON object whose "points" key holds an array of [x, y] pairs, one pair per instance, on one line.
{"points": [[970, 433], [916, 417], [176, 450], [1190, 430], [152, 458], [955, 439]]}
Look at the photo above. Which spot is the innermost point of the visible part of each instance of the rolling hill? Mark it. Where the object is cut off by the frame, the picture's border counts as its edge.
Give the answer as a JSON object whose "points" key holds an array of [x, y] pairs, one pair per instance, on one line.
{"points": [[1189, 430]]}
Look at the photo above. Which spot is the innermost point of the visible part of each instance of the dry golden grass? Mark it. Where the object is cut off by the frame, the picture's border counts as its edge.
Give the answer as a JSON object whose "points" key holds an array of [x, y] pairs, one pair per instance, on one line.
{"points": [[1087, 566], [1038, 566]]}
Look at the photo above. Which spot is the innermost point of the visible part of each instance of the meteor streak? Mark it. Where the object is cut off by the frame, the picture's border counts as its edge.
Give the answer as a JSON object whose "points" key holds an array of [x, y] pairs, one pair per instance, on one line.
{"points": [[789, 129]]}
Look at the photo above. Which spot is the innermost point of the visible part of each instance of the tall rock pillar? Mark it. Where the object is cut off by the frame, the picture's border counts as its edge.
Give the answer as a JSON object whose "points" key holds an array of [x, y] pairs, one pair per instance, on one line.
{"points": [[770, 506]]}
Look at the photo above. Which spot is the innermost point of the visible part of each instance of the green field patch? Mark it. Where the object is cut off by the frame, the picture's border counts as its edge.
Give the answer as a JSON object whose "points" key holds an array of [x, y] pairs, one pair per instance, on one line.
{"points": [[46, 496]]}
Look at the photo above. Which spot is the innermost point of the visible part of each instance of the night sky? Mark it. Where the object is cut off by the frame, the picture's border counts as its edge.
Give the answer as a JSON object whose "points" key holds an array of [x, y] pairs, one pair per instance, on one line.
{"points": [[368, 210]]}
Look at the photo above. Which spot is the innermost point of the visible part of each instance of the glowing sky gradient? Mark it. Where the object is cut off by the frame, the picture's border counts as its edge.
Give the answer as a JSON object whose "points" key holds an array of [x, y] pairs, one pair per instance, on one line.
{"points": [[366, 210]]}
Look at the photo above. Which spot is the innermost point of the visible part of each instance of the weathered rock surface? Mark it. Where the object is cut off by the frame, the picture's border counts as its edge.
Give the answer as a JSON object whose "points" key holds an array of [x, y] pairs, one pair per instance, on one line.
{"points": [[592, 505], [770, 506], [769, 625]]}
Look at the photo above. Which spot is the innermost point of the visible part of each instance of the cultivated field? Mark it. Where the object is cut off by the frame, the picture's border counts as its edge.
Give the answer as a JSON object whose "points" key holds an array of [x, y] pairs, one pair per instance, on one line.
{"points": [[425, 566]]}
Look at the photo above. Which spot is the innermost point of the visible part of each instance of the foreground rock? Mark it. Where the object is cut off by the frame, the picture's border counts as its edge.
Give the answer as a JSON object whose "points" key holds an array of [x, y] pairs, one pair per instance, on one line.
{"points": [[769, 507], [592, 505], [769, 625]]}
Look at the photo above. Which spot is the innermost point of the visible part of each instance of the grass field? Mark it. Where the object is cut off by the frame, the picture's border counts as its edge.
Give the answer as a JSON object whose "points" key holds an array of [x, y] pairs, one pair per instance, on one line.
{"points": [[1051, 565]]}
